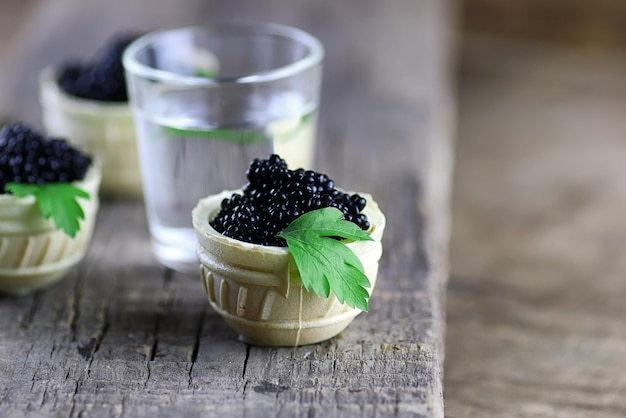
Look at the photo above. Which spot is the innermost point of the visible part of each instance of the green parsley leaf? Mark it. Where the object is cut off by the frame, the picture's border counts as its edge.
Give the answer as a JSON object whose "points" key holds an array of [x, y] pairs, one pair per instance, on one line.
{"points": [[206, 73], [56, 201], [238, 136], [325, 263]]}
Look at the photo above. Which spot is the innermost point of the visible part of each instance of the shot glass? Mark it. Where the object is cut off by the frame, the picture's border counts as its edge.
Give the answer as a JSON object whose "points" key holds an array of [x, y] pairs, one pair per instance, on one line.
{"points": [[208, 100]]}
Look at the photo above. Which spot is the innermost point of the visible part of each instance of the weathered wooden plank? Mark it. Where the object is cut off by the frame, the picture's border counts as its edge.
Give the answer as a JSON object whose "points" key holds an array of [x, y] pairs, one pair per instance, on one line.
{"points": [[124, 337], [536, 303]]}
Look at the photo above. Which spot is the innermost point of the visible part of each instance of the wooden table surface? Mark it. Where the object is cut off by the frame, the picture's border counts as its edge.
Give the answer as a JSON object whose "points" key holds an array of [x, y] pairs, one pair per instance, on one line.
{"points": [[122, 336], [536, 314]]}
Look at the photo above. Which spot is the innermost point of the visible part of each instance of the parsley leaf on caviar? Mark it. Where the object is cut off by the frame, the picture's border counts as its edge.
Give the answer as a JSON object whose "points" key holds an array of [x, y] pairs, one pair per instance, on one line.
{"points": [[56, 201], [325, 263]]}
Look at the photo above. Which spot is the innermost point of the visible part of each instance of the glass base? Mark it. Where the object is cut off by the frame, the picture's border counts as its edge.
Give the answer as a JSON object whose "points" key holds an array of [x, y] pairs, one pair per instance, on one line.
{"points": [[175, 258]]}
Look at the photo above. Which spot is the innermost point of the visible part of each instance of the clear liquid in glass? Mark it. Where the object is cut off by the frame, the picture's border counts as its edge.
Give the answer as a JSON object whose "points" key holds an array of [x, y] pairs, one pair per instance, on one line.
{"points": [[183, 160]]}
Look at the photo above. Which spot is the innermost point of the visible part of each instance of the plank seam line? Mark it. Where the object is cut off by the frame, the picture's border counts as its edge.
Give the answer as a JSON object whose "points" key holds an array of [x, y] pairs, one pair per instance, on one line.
{"points": [[243, 372], [99, 338], [196, 348], [34, 307], [245, 363], [76, 299]]}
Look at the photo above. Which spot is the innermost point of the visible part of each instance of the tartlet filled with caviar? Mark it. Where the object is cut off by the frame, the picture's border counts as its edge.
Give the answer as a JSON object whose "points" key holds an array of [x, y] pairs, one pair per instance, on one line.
{"points": [[48, 205], [288, 259], [87, 103]]}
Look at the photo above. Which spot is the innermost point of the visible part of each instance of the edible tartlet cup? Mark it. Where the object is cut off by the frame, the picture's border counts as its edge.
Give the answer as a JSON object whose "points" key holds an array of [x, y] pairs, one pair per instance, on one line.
{"points": [[103, 129], [34, 253], [259, 292]]}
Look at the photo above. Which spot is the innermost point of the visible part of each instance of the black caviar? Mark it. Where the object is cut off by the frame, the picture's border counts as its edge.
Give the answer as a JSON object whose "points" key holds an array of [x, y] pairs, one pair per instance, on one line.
{"points": [[28, 157], [101, 79], [275, 196]]}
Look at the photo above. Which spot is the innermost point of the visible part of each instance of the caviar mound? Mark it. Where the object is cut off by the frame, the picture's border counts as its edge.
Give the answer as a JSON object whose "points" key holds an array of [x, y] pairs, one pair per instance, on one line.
{"points": [[26, 156], [275, 196], [101, 79], [258, 291]]}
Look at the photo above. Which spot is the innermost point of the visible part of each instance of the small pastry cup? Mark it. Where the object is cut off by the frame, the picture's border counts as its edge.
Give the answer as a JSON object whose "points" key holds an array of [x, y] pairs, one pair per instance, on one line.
{"points": [[105, 130], [259, 292], [33, 252]]}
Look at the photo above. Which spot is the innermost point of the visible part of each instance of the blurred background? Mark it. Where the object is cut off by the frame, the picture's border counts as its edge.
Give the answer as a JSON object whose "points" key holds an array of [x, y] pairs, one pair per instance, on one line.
{"points": [[536, 313], [569, 23]]}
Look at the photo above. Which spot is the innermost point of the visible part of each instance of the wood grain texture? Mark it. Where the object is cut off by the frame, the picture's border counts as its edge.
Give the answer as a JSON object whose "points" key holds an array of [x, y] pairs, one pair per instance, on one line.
{"points": [[121, 336], [536, 300], [573, 23]]}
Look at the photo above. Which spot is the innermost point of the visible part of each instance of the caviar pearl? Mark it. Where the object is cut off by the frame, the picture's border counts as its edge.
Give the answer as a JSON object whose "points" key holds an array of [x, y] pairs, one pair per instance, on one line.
{"points": [[275, 196]]}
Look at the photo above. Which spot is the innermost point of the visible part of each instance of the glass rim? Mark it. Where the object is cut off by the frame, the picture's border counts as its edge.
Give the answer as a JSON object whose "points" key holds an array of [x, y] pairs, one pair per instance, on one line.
{"points": [[313, 57]]}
